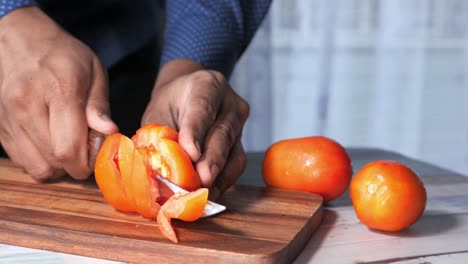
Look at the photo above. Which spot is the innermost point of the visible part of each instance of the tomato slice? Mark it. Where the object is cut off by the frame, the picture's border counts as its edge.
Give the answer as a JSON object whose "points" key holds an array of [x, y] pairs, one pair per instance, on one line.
{"points": [[107, 174], [145, 188], [186, 207]]}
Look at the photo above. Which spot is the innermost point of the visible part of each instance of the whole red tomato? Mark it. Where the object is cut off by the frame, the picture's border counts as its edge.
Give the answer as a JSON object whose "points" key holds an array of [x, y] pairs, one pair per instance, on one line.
{"points": [[387, 195], [313, 164]]}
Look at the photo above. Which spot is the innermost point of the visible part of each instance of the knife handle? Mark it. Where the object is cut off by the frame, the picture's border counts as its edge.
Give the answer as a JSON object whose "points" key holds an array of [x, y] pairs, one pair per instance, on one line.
{"points": [[95, 140]]}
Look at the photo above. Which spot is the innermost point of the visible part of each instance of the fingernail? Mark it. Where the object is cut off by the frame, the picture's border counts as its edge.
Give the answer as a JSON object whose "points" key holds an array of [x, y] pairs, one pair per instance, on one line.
{"points": [[214, 170]]}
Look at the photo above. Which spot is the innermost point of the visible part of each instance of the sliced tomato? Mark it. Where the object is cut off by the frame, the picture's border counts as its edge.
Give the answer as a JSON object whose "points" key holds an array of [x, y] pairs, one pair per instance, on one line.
{"points": [[145, 188], [125, 163], [186, 207], [108, 177], [126, 169]]}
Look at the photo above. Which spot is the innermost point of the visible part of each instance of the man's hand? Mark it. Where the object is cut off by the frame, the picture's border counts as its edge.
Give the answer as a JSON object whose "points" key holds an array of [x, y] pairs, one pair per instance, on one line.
{"points": [[51, 88], [209, 116]]}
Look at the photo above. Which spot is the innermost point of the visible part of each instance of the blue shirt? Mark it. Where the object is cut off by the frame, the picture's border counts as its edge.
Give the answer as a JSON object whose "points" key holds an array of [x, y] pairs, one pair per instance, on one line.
{"points": [[213, 33]]}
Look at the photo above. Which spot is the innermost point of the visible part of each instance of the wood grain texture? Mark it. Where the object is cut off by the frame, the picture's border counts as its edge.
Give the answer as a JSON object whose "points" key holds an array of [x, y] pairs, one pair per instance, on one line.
{"points": [[260, 226]]}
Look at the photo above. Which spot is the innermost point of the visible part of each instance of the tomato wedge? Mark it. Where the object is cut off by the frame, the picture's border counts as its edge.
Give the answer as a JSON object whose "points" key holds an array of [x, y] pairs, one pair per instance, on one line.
{"points": [[108, 177], [187, 207], [126, 170], [145, 188]]}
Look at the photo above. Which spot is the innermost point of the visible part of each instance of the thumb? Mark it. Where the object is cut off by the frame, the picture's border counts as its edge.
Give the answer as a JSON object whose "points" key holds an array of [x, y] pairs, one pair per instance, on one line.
{"points": [[97, 104]]}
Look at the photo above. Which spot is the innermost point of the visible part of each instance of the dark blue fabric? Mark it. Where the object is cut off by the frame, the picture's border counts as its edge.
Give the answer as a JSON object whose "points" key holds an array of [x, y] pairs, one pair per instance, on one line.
{"points": [[212, 32], [8, 5]]}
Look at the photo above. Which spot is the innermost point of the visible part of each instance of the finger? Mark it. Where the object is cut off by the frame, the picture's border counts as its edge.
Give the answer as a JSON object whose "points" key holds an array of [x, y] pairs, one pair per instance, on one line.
{"points": [[153, 115], [68, 132], [23, 152], [9, 147], [235, 167], [221, 138], [201, 104], [97, 104], [29, 111], [36, 128]]}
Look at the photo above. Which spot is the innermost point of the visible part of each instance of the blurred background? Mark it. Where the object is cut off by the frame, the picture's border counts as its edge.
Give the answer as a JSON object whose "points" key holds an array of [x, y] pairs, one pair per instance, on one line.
{"points": [[390, 74]]}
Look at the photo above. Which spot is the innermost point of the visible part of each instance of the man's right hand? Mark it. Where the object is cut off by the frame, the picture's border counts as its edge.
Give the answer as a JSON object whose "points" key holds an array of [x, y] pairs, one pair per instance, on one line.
{"points": [[52, 88]]}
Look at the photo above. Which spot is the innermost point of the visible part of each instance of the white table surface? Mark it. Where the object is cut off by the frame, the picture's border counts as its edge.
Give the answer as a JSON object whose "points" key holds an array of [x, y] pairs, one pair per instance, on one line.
{"points": [[440, 236]]}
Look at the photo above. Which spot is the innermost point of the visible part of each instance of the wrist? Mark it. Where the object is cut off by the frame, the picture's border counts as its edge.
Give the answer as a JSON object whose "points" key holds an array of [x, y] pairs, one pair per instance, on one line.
{"points": [[24, 20], [176, 68], [19, 15]]}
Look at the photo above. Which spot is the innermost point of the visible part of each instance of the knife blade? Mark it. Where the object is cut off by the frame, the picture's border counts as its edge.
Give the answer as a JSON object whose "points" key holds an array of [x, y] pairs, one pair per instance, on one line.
{"points": [[211, 208]]}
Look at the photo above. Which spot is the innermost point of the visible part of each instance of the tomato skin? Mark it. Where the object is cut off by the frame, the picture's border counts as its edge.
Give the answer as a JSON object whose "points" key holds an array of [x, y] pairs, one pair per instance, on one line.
{"points": [[387, 196], [108, 177], [312, 164]]}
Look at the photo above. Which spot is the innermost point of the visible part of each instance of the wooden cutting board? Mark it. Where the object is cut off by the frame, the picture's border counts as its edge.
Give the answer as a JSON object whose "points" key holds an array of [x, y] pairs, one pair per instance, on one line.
{"points": [[260, 226]]}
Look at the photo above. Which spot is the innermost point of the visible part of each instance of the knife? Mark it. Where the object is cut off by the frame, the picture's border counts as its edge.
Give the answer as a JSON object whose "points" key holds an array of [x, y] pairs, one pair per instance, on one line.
{"points": [[95, 140], [211, 208]]}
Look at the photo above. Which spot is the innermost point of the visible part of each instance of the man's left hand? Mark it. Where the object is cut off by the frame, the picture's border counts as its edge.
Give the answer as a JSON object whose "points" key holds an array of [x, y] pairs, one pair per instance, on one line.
{"points": [[209, 116]]}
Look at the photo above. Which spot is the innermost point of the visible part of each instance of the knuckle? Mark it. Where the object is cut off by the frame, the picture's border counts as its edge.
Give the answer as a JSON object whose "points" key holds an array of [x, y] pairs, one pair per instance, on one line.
{"points": [[41, 173], [242, 160], [16, 97], [58, 87], [66, 87], [206, 107], [244, 108]]}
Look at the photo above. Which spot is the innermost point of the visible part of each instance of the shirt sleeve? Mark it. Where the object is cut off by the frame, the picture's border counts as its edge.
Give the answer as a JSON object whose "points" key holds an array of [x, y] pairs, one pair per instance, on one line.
{"points": [[212, 33], [6, 6]]}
